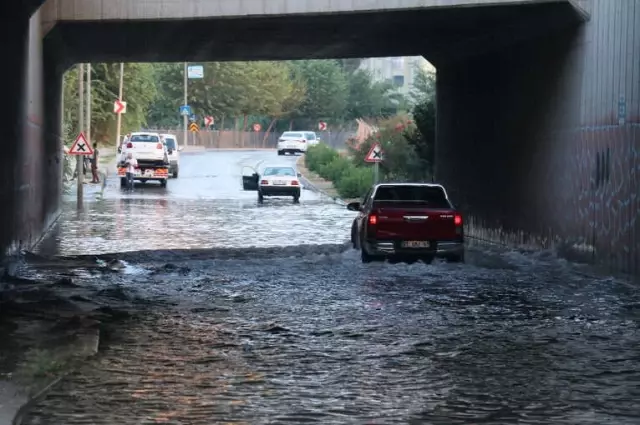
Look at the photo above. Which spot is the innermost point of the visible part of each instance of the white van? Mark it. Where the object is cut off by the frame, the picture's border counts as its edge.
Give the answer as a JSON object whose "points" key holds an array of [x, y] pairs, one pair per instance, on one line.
{"points": [[173, 153]]}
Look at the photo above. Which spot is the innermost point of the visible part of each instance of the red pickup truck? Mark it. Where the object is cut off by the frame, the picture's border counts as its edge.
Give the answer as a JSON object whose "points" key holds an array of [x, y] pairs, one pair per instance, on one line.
{"points": [[407, 222]]}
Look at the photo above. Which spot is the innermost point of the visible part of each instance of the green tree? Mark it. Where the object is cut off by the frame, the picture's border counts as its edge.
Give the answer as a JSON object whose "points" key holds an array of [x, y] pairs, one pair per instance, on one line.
{"points": [[164, 110], [139, 93], [369, 98], [228, 90], [350, 65], [327, 89], [423, 88]]}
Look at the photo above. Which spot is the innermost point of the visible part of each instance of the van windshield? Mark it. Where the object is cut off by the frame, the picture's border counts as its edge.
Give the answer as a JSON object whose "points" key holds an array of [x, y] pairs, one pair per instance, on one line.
{"points": [[170, 143]]}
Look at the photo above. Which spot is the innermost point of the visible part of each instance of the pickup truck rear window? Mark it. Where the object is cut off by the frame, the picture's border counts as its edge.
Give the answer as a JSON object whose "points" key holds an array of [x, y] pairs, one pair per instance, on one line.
{"points": [[433, 197], [144, 138]]}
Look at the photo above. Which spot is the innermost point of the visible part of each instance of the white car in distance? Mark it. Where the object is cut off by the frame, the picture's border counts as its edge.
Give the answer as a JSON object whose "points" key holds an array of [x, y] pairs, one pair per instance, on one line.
{"points": [[296, 141]]}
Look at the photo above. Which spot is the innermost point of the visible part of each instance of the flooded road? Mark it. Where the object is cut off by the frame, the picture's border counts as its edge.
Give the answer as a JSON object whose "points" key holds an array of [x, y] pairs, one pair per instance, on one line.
{"points": [[276, 321]]}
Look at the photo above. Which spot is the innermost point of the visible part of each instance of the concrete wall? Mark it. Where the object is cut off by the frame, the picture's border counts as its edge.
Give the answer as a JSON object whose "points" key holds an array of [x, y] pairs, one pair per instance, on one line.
{"points": [[530, 144], [30, 175]]}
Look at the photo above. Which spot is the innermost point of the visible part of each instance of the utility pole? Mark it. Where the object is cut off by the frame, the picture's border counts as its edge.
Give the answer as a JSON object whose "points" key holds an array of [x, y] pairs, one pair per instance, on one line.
{"points": [[185, 135], [80, 158], [88, 134], [119, 118]]}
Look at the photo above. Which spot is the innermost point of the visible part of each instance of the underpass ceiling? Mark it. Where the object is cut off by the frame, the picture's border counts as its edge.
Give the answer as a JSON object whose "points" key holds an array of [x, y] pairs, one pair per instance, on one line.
{"points": [[442, 34]]}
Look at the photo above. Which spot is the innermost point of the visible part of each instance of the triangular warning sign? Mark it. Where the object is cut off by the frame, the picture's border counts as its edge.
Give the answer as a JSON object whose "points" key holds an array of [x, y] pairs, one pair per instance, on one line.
{"points": [[81, 146], [375, 153]]}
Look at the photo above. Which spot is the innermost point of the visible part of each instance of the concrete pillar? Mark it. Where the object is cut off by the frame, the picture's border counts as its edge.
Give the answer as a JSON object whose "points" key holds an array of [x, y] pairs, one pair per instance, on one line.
{"points": [[14, 32]]}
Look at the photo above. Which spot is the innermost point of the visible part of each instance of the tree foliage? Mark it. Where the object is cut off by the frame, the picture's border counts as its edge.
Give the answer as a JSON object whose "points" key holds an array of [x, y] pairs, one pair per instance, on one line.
{"points": [[139, 93], [368, 98], [276, 94], [327, 89]]}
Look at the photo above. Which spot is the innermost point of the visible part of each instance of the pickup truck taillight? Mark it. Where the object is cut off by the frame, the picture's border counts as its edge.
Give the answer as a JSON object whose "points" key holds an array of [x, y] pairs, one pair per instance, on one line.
{"points": [[457, 220], [159, 146], [129, 145], [373, 219], [294, 183]]}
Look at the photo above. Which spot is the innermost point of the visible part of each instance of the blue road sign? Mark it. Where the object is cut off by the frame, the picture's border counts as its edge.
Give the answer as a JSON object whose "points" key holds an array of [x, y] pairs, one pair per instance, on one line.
{"points": [[193, 117], [185, 110]]}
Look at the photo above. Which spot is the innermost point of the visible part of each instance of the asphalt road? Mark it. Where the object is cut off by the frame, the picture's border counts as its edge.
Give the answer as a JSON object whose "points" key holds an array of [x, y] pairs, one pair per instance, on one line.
{"points": [[274, 320]]}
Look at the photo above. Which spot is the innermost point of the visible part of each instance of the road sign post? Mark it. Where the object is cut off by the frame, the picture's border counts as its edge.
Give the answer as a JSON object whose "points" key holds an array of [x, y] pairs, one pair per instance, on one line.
{"points": [[79, 160], [375, 155], [119, 107]]}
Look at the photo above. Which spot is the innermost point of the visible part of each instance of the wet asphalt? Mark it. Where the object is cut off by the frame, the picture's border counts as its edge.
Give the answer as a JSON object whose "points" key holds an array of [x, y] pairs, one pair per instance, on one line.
{"points": [[274, 320]]}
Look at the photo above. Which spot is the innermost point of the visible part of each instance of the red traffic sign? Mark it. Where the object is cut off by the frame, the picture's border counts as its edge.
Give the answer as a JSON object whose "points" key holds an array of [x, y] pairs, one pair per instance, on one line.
{"points": [[119, 107], [257, 127], [208, 121], [322, 126], [81, 146], [375, 154]]}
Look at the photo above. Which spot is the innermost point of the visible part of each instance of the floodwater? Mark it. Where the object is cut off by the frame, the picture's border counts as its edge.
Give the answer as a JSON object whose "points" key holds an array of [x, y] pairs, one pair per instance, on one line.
{"points": [[276, 321]]}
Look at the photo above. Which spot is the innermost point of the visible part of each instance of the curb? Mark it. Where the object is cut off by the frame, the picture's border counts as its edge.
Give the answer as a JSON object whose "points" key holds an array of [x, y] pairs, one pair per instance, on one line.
{"points": [[307, 183], [25, 409]]}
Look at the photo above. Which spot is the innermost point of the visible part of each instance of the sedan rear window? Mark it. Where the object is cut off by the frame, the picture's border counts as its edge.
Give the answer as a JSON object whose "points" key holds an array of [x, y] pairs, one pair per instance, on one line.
{"points": [[149, 138], [298, 135], [283, 171], [311, 136], [423, 195]]}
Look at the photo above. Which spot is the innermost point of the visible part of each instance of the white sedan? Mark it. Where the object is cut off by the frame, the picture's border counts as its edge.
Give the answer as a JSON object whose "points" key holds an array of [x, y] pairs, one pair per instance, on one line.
{"points": [[279, 181]]}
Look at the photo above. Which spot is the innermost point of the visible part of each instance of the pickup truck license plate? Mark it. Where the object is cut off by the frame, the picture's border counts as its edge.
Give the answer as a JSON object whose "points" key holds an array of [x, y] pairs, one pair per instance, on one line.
{"points": [[280, 182], [416, 244]]}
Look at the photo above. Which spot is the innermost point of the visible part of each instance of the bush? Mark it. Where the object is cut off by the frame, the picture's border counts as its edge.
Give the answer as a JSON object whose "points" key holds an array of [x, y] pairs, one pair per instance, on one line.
{"points": [[402, 161], [319, 155], [335, 169], [355, 182]]}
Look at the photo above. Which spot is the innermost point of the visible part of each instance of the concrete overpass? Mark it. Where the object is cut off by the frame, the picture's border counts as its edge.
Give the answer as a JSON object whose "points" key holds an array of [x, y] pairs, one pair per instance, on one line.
{"points": [[538, 101]]}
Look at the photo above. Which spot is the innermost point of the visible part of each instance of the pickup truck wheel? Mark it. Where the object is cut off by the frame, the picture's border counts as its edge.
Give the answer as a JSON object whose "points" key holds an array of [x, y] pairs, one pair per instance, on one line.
{"points": [[280, 153], [427, 259], [163, 183], [123, 182], [354, 242], [175, 174], [456, 258], [365, 257], [296, 199]]}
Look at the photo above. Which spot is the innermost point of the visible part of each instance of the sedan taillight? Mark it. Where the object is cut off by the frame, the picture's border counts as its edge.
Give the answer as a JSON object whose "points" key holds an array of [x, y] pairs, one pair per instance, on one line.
{"points": [[159, 146], [303, 141], [264, 182], [294, 183], [129, 145]]}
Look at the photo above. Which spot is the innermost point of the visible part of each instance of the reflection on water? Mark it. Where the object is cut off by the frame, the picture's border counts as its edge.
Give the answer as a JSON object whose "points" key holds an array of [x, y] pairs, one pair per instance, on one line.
{"points": [[146, 223]]}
